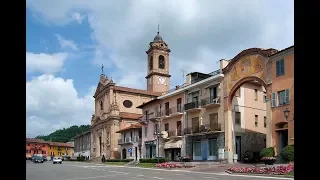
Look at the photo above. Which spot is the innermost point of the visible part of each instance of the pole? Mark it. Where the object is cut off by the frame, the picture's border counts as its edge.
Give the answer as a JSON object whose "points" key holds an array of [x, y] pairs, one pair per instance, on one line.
{"points": [[158, 147]]}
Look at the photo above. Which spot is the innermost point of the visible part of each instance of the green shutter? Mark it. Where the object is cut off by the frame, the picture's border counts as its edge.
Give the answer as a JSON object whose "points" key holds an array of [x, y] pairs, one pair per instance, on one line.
{"points": [[273, 100], [287, 96]]}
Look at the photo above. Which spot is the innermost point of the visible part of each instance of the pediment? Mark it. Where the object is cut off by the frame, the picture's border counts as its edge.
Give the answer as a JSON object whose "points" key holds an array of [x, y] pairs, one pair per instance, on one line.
{"points": [[99, 88]]}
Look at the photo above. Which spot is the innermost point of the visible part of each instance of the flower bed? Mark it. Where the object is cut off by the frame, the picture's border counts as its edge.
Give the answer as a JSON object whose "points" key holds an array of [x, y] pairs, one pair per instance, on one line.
{"points": [[276, 170], [171, 165]]}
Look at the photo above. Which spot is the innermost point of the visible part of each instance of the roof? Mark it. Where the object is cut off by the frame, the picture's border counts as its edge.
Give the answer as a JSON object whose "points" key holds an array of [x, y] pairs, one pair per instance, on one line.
{"points": [[81, 134], [133, 126], [149, 102], [61, 144], [285, 49], [136, 91], [125, 115], [31, 140]]}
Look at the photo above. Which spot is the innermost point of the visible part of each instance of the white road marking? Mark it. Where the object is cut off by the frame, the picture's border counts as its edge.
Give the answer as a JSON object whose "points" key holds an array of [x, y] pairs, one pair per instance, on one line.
{"points": [[140, 175], [95, 177], [96, 169], [179, 174], [157, 178], [119, 172], [210, 178]]}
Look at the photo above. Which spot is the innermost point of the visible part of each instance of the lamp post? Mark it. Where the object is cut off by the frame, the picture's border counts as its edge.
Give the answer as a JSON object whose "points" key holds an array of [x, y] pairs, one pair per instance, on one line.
{"points": [[286, 113]]}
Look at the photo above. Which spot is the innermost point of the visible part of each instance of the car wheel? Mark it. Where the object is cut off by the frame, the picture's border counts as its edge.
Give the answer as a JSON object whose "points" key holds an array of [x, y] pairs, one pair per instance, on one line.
{"points": [[60, 162]]}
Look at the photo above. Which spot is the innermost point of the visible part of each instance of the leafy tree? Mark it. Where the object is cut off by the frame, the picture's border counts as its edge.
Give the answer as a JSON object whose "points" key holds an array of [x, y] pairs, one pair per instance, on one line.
{"points": [[65, 134]]}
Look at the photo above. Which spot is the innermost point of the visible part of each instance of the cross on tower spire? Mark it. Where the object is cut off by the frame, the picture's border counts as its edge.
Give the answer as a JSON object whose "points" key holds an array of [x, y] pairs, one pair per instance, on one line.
{"points": [[102, 69], [158, 29]]}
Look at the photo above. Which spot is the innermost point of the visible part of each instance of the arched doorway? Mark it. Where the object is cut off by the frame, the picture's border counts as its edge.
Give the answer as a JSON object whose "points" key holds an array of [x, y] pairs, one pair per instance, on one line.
{"points": [[251, 65], [124, 153]]}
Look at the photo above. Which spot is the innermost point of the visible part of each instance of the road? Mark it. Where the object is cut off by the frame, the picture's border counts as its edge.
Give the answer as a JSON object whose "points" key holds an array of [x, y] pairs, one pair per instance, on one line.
{"points": [[88, 171]]}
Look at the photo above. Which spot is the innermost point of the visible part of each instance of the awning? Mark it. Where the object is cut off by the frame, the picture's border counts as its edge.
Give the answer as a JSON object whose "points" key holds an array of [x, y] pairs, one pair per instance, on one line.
{"points": [[173, 144]]}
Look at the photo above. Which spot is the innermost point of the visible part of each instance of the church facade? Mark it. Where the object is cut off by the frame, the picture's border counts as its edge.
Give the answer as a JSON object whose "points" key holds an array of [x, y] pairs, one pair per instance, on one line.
{"points": [[115, 106]]}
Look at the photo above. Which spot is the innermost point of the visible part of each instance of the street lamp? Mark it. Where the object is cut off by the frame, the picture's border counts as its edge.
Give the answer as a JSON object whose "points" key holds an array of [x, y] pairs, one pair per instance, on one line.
{"points": [[286, 113]]}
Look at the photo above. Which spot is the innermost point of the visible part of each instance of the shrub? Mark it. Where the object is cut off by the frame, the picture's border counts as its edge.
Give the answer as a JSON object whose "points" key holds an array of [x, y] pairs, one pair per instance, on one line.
{"points": [[80, 158], [287, 153], [267, 152], [153, 160], [119, 160]]}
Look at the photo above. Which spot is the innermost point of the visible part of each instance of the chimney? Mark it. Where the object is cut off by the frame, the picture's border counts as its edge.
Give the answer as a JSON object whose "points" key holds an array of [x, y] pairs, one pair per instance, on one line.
{"points": [[223, 63], [188, 79]]}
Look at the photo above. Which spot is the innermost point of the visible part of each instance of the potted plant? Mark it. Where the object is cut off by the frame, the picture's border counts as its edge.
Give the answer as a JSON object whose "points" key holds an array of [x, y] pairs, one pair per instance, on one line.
{"points": [[267, 156]]}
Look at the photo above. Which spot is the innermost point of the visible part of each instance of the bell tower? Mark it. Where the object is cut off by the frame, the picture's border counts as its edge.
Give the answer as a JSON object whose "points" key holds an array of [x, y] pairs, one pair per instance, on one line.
{"points": [[158, 77]]}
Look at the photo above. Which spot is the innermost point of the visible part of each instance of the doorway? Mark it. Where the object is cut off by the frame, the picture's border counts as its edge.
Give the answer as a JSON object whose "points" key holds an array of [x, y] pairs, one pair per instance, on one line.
{"points": [[100, 144], [178, 128], [204, 149], [238, 147], [283, 139], [136, 152], [124, 153]]}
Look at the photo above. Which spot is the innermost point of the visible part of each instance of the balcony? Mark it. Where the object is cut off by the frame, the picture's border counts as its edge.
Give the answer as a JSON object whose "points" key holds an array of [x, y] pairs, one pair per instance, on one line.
{"points": [[192, 106], [153, 116], [129, 140], [175, 133], [171, 112], [203, 129], [210, 102]]}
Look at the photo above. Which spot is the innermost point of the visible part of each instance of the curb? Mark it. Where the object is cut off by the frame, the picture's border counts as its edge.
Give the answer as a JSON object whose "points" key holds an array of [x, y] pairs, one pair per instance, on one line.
{"points": [[263, 175]]}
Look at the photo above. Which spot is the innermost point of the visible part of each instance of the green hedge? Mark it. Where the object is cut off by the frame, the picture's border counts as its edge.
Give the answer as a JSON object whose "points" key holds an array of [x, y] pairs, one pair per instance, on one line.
{"points": [[119, 160], [267, 152], [80, 158], [153, 160], [287, 153]]}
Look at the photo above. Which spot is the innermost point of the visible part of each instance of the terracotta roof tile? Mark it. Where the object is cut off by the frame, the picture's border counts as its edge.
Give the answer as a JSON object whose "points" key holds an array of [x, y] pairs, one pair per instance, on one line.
{"points": [[61, 144], [137, 91], [31, 140], [133, 126], [125, 115]]}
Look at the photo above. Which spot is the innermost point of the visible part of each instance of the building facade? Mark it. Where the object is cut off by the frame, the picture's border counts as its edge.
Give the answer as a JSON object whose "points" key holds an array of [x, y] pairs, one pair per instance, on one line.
{"points": [[82, 145], [36, 146], [60, 149], [282, 98], [115, 106], [130, 141]]}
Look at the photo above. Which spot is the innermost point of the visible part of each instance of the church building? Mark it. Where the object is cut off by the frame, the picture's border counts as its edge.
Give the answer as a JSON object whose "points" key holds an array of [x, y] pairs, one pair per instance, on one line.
{"points": [[115, 106]]}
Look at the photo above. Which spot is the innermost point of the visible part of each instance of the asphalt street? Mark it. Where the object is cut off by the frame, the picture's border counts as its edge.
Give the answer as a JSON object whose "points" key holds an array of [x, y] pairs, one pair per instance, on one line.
{"points": [[83, 171]]}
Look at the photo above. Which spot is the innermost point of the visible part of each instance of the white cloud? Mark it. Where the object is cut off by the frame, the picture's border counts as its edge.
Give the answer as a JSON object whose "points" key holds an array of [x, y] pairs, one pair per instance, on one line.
{"points": [[64, 43], [54, 103], [77, 17], [196, 30], [45, 63]]}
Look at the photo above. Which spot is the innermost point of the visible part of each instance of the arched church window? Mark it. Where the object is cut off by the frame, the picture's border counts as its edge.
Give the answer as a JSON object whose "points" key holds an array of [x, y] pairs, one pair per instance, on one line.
{"points": [[101, 105], [151, 63], [161, 62]]}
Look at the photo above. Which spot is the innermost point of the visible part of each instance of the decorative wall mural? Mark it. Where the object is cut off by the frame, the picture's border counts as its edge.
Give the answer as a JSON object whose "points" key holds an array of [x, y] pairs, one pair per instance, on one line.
{"points": [[234, 74], [246, 66]]}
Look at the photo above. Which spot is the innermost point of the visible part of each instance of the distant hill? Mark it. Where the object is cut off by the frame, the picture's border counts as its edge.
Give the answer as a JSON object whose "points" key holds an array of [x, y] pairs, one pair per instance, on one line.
{"points": [[65, 134]]}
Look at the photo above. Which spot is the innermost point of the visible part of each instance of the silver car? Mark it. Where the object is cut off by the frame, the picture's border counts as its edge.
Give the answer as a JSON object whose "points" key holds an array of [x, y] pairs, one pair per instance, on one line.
{"points": [[57, 160]]}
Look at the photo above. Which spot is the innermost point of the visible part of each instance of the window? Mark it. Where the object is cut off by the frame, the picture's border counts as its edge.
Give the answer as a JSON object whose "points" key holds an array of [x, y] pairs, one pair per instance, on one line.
{"points": [[146, 113], [280, 67], [195, 125], [28, 144], [237, 119], [213, 120], [145, 131], [213, 93], [283, 97], [151, 63], [213, 147], [264, 98], [197, 148], [166, 108], [156, 128], [101, 105], [166, 127], [43, 152], [265, 122], [256, 120], [161, 62], [127, 103], [256, 94], [179, 105]]}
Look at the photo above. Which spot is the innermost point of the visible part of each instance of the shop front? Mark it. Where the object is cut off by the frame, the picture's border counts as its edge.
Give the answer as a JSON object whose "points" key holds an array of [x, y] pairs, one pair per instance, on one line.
{"points": [[172, 149], [150, 149]]}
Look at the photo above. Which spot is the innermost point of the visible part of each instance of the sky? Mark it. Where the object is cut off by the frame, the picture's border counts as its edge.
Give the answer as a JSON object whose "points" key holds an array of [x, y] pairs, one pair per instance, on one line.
{"points": [[68, 41]]}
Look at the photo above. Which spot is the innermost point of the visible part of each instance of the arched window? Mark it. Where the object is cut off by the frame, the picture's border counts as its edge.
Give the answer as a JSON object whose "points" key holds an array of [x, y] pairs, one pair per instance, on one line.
{"points": [[161, 62], [151, 63], [101, 105]]}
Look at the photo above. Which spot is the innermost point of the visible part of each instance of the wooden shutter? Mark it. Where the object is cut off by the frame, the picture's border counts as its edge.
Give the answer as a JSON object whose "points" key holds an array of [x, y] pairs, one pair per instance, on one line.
{"points": [[278, 68], [281, 66], [287, 96], [273, 100]]}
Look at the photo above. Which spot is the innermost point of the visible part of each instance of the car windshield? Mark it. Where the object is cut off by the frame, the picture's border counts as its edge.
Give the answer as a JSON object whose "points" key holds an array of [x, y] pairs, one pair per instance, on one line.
{"points": [[38, 157]]}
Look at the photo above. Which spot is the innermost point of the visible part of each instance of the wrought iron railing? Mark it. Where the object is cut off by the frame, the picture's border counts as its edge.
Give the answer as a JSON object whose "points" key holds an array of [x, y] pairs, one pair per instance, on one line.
{"points": [[203, 128], [191, 105], [210, 100], [176, 132]]}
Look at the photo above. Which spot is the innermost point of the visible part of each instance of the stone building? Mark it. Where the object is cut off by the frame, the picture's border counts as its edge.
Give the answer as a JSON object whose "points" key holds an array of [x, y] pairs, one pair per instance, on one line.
{"points": [[82, 144], [115, 106]]}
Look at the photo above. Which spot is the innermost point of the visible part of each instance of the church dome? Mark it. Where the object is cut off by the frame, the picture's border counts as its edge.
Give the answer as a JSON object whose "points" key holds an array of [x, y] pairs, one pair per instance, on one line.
{"points": [[157, 38]]}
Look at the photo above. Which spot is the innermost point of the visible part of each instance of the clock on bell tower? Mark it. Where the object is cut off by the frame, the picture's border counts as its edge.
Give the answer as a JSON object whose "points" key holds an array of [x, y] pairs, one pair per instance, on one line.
{"points": [[158, 77]]}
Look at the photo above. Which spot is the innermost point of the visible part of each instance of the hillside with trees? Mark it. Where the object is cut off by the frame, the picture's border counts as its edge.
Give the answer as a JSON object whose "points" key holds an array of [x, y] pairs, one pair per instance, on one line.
{"points": [[65, 134]]}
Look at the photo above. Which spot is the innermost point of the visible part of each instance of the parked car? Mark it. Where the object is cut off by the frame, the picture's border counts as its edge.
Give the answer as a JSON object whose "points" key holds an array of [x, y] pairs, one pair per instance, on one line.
{"points": [[37, 159], [57, 160], [251, 157]]}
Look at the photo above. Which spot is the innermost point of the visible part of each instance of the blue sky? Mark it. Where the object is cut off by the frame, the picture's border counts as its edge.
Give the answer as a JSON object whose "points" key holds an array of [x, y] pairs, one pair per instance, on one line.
{"points": [[67, 41]]}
